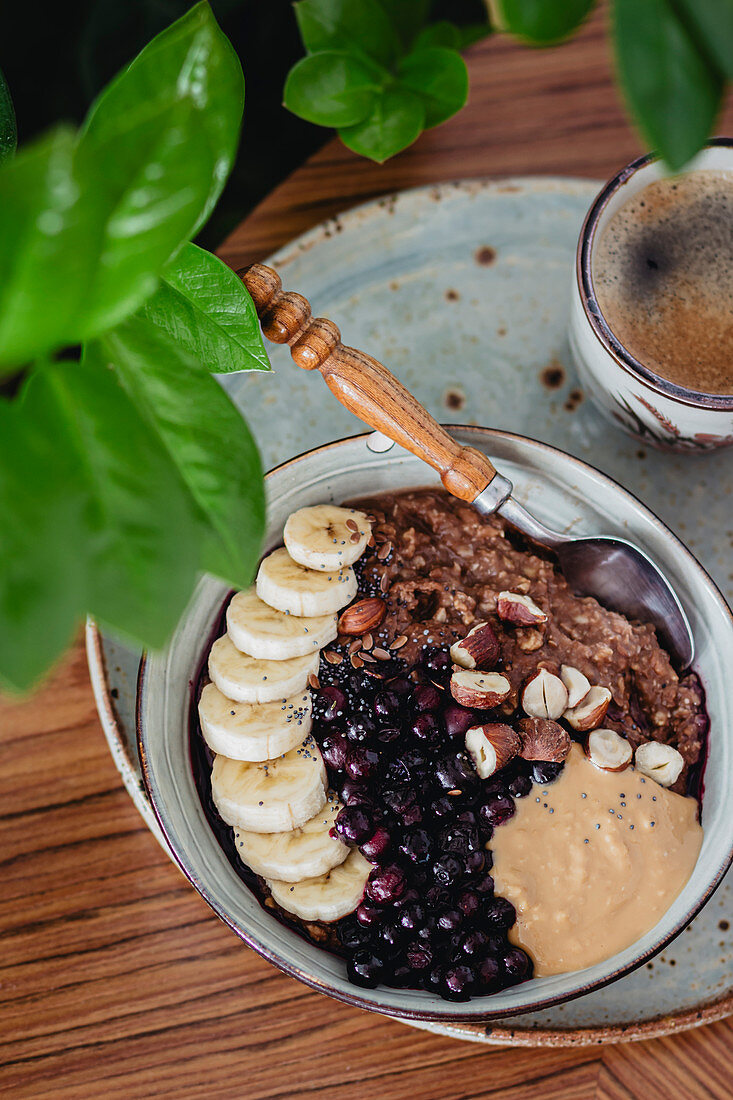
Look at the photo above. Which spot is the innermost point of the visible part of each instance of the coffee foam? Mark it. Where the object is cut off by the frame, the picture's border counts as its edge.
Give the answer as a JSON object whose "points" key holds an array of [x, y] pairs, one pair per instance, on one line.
{"points": [[663, 278]]}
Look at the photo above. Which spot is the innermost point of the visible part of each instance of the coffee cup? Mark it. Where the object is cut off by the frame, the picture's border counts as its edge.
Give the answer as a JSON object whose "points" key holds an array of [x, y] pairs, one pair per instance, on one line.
{"points": [[651, 331]]}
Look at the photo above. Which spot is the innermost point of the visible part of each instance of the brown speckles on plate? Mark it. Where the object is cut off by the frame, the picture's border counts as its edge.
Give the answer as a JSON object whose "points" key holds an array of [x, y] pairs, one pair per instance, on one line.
{"points": [[485, 255], [451, 295], [454, 399], [574, 399], [553, 376]]}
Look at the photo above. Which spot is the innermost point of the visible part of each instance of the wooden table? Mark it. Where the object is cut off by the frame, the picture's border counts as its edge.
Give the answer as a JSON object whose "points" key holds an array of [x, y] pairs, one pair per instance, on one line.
{"points": [[116, 980]]}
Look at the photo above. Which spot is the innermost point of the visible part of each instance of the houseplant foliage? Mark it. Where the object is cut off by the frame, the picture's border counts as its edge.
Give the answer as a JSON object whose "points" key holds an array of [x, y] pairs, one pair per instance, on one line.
{"points": [[381, 71], [125, 469]]}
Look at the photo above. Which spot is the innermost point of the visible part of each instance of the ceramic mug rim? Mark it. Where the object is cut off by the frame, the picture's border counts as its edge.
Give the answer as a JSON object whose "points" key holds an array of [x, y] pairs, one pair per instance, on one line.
{"points": [[592, 310], [355, 999]]}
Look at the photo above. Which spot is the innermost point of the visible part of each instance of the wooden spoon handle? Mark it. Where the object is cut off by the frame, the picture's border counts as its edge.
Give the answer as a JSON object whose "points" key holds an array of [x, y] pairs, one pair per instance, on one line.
{"points": [[363, 385]]}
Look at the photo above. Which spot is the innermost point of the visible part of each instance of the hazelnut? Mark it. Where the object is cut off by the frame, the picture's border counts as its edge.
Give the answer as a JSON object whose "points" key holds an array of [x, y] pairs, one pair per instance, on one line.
{"points": [[479, 690], [590, 712], [515, 607], [577, 684], [479, 649], [544, 695], [659, 762], [363, 616], [491, 747], [542, 739], [608, 750]]}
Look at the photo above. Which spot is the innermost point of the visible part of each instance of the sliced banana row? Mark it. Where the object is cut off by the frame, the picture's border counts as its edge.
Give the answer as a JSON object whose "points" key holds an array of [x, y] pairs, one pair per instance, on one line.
{"points": [[269, 780]]}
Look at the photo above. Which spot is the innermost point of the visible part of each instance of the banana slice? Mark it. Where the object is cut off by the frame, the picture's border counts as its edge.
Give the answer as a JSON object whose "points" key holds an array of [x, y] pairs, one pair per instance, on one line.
{"points": [[302, 853], [253, 731], [248, 680], [326, 537], [327, 897], [274, 796], [287, 586], [260, 630]]}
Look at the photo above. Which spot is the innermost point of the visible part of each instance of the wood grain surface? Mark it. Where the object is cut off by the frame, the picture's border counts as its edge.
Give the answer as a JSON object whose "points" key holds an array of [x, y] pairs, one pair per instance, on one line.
{"points": [[116, 980]]}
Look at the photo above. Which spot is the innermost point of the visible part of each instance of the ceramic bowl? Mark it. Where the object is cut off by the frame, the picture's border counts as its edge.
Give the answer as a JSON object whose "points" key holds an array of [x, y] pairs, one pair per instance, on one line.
{"points": [[561, 489]]}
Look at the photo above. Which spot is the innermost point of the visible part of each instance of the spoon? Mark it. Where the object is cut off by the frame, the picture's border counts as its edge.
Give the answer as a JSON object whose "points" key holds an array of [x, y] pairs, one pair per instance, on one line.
{"points": [[617, 573]]}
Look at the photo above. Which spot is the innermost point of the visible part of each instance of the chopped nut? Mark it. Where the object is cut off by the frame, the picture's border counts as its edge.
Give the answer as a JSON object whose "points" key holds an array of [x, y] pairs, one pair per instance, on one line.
{"points": [[659, 762], [589, 713], [542, 739], [332, 657], [384, 551], [367, 641], [577, 684], [399, 642], [353, 526], [479, 649], [362, 616], [354, 646], [491, 747], [544, 695], [515, 607], [356, 661], [608, 750], [366, 657], [313, 681], [479, 690], [528, 639], [384, 583], [381, 654]]}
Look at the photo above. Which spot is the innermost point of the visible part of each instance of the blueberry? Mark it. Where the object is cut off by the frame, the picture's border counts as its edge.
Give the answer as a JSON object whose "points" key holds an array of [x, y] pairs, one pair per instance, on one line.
{"points": [[368, 915], [467, 818], [496, 810], [437, 660], [457, 983], [450, 920], [449, 772], [488, 974], [443, 807], [469, 902], [401, 686], [331, 702], [386, 884], [484, 886], [499, 914], [416, 845], [419, 956], [412, 917], [334, 749], [516, 965], [457, 720], [425, 727], [387, 735], [386, 704], [520, 786], [399, 975], [425, 697], [545, 772], [364, 968], [475, 862], [437, 897], [377, 845], [474, 943], [361, 762], [447, 869], [391, 934], [354, 793], [354, 824], [353, 935], [359, 727]]}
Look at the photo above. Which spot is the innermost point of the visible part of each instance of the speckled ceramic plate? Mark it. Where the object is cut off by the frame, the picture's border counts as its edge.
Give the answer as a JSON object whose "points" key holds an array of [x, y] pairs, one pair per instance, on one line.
{"points": [[463, 291]]}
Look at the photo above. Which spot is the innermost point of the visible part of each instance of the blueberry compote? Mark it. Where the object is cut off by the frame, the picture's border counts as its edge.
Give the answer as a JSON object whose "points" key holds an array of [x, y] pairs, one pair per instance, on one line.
{"points": [[393, 742]]}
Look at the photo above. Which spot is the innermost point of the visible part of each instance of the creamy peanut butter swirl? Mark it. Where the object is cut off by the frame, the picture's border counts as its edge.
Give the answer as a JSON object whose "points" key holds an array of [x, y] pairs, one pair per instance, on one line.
{"points": [[591, 862]]}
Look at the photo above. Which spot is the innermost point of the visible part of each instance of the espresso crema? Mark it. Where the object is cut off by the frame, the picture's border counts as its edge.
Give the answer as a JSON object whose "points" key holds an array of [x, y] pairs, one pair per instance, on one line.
{"points": [[663, 277]]}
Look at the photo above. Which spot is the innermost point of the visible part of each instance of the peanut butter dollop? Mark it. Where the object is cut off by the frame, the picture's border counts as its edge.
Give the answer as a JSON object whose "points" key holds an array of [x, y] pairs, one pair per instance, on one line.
{"points": [[591, 862]]}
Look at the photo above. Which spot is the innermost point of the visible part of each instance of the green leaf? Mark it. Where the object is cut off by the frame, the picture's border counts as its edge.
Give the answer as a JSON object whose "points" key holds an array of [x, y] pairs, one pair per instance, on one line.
{"points": [[332, 88], [473, 32], [140, 532], [542, 21], [396, 120], [159, 144], [357, 26], [440, 77], [710, 24], [439, 34], [206, 438], [8, 129], [42, 549], [670, 90], [204, 308], [407, 17], [49, 245]]}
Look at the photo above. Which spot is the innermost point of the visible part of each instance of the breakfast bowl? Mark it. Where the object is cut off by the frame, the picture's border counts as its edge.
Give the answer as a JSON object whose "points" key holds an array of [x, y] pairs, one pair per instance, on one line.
{"points": [[576, 498]]}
